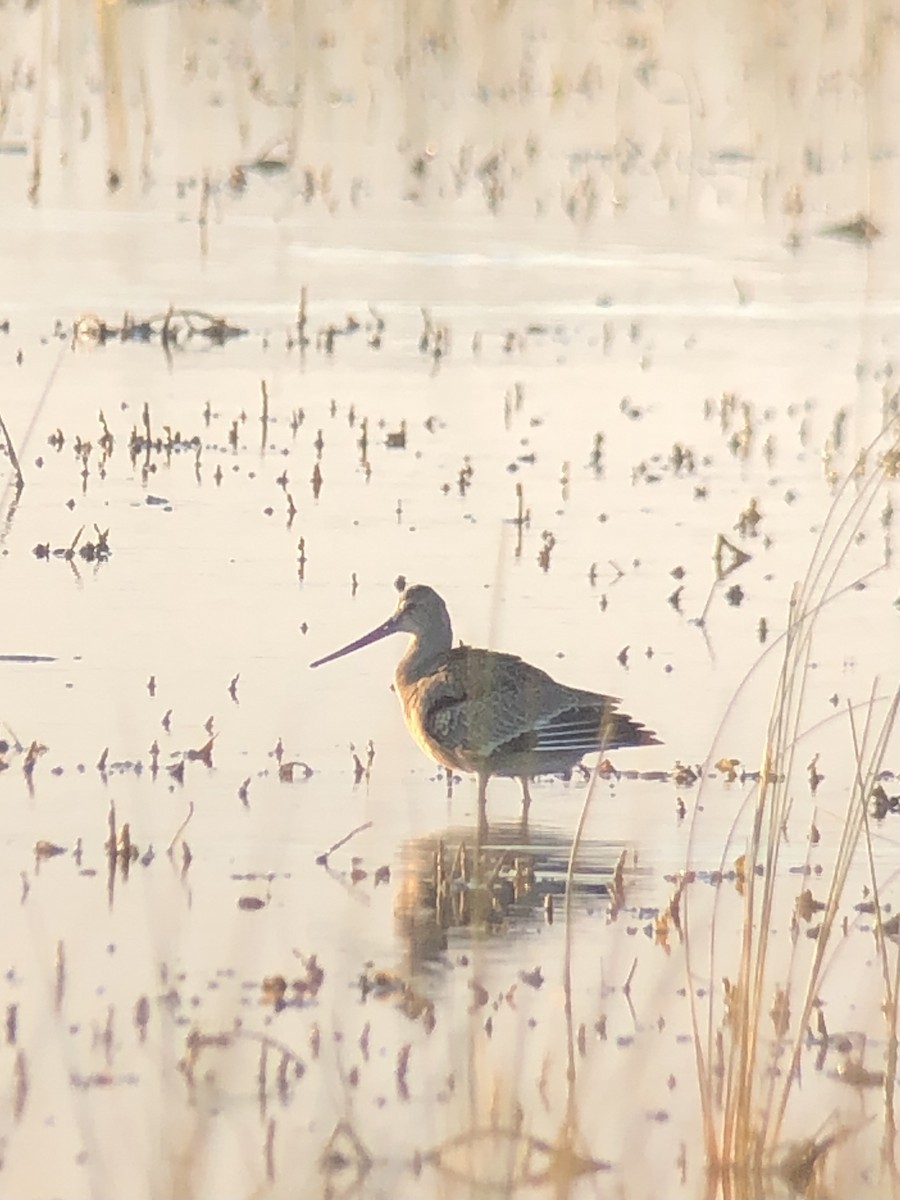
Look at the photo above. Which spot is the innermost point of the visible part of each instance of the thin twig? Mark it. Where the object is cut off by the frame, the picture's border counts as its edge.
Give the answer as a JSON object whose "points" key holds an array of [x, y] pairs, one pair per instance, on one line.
{"points": [[35, 416], [181, 828], [11, 451], [322, 859]]}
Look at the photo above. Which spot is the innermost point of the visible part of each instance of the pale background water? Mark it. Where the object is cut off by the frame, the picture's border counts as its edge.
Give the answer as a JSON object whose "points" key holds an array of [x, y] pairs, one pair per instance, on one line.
{"points": [[615, 214]]}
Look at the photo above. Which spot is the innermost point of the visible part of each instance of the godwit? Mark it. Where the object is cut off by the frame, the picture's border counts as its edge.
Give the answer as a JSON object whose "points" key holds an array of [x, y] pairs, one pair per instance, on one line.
{"points": [[490, 713]]}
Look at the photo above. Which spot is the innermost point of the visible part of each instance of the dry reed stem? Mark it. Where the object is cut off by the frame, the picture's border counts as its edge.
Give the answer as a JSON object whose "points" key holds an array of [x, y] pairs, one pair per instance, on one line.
{"points": [[854, 824], [749, 1132], [891, 985]]}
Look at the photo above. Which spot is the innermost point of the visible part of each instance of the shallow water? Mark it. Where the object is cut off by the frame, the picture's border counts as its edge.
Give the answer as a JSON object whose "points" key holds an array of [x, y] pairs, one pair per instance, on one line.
{"points": [[440, 1043]]}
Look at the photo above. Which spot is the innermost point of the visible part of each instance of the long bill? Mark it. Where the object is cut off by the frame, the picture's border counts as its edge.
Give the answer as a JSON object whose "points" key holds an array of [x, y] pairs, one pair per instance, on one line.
{"points": [[375, 635]]}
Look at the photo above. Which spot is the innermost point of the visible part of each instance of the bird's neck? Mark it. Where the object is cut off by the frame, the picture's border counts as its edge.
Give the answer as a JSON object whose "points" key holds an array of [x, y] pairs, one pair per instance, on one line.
{"points": [[422, 657]]}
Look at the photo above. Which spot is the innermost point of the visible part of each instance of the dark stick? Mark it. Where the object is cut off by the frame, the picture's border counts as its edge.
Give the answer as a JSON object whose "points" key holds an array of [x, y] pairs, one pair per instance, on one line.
{"points": [[11, 451]]}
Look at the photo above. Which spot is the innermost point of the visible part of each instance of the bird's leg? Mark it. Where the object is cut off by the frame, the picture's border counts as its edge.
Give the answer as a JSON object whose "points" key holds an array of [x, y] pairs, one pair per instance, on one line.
{"points": [[483, 777], [526, 798]]}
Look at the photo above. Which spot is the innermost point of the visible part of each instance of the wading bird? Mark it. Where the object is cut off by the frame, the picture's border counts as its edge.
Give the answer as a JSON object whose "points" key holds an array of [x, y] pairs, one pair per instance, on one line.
{"points": [[489, 713]]}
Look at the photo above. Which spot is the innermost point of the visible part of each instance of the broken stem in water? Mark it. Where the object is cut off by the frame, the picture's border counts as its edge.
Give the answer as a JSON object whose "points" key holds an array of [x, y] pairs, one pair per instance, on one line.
{"points": [[11, 451]]}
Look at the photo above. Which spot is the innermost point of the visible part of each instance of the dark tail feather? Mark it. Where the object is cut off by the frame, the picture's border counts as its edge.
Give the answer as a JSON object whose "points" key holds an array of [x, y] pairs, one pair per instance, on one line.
{"points": [[617, 729], [582, 730]]}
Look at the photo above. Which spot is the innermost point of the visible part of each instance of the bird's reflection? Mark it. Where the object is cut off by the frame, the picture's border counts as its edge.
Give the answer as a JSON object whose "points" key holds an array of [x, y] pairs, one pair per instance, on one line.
{"points": [[500, 882]]}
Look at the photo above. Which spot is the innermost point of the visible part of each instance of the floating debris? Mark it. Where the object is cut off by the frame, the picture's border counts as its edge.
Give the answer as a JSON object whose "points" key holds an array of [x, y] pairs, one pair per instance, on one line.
{"points": [[275, 989], [857, 229], [727, 557], [97, 551], [397, 439], [175, 327], [749, 519], [44, 849], [288, 771]]}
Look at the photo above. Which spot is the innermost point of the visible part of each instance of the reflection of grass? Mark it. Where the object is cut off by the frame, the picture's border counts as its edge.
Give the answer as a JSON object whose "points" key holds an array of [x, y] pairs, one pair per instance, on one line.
{"points": [[283, 78], [748, 1076]]}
